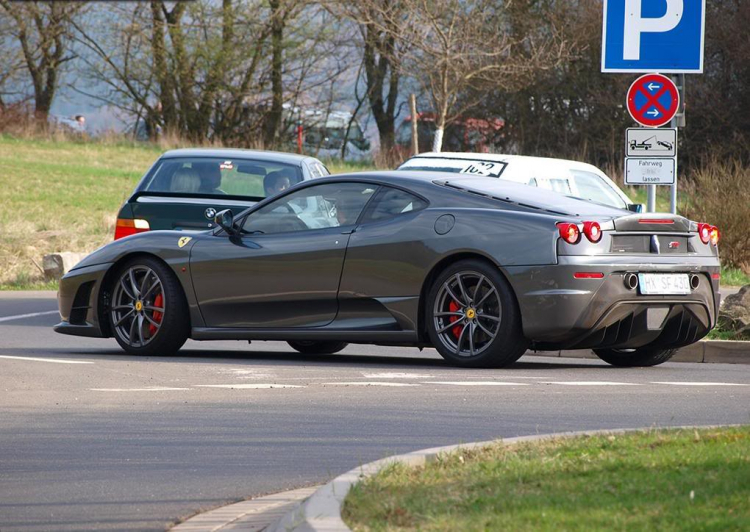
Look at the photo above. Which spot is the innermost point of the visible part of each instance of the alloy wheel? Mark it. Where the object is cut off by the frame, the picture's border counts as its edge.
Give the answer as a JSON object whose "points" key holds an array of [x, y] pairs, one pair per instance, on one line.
{"points": [[467, 313], [138, 306]]}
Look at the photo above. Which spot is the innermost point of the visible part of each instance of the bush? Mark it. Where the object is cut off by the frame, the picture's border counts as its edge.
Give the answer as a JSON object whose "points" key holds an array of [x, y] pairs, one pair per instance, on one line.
{"points": [[719, 194]]}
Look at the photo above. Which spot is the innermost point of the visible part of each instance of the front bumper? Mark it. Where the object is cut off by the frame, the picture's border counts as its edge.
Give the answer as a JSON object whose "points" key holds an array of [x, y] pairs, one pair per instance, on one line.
{"points": [[561, 312], [79, 304]]}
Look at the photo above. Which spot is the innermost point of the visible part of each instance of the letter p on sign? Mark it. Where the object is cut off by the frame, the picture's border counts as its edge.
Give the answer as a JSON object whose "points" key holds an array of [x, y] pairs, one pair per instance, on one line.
{"points": [[653, 36], [635, 24]]}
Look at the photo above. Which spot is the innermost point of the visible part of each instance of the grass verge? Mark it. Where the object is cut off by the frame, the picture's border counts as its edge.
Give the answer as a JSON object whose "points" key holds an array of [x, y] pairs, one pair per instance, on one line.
{"points": [[659, 480]]}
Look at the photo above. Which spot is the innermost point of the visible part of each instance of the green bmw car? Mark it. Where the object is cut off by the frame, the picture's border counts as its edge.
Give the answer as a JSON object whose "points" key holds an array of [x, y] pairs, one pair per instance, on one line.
{"points": [[185, 188]]}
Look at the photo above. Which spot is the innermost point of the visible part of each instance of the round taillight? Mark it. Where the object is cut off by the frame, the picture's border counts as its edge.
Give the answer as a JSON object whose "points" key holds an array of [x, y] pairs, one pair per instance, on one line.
{"points": [[714, 235], [704, 231], [569, 232], [593, 231]]}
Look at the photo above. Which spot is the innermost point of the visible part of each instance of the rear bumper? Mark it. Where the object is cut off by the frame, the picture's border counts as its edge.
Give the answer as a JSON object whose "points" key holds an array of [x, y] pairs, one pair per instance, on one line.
{"points": [[561, 312]]}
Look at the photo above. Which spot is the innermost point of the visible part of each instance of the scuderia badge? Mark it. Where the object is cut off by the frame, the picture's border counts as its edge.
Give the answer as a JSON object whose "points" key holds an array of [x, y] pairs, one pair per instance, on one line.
{"points": [[182, 242]]}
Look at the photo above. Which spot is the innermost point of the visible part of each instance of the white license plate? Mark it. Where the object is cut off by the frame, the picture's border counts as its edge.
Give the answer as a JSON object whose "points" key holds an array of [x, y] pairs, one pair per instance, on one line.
{"points": [[664, 283]]}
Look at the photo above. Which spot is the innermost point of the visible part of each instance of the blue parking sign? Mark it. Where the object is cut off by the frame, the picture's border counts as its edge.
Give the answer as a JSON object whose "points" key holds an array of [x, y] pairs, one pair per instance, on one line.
{"points": [[653, 36]]}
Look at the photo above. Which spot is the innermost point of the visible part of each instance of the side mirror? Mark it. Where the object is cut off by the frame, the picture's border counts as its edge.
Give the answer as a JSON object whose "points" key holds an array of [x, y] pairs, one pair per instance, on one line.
{"points": [[636, 207], [225, 220]]}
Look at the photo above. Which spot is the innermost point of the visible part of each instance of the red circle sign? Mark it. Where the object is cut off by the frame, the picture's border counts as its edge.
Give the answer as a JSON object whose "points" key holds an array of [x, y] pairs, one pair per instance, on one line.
{"points": [[653, 100]]}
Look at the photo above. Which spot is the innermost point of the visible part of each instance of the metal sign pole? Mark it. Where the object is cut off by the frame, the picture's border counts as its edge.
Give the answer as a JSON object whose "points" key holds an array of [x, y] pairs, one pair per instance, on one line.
{"points": [[677, 122]]}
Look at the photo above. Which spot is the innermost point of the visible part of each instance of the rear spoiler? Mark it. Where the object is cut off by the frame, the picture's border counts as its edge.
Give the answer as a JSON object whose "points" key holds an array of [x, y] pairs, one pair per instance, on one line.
{"points": [[654, 222], [209, 198]]}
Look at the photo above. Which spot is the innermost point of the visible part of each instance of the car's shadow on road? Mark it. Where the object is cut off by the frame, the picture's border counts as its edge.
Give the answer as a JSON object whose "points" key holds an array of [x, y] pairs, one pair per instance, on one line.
{"points": [[280, 358]]}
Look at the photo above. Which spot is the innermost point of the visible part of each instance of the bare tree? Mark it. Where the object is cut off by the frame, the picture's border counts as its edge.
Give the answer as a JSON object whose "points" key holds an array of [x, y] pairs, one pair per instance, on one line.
{"points": [[42, 30], [461, 51]]}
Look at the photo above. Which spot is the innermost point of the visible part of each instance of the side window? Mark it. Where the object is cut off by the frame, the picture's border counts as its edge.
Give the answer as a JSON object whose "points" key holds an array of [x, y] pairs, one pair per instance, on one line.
{"points": [[391, 202], [318, 207]]}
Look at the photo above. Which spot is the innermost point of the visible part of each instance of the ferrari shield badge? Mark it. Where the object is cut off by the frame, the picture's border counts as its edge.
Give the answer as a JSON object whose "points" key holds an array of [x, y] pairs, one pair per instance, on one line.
{"points": [[182, 242]]}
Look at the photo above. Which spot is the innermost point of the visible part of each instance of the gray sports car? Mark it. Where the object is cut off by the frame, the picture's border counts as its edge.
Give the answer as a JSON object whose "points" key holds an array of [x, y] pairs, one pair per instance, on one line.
{"points": [[480, 269]]}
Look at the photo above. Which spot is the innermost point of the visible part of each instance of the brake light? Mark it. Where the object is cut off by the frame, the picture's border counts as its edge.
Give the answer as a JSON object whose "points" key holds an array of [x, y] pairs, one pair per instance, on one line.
{"points": [[714, 235], [704, 231], [661, 221], [126, 227], [593, 231], [588, 275], [569, 232]]}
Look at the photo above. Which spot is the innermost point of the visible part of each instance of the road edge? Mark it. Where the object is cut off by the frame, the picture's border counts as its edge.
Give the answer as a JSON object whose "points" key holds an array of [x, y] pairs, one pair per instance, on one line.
{"points": [[321, 512]]}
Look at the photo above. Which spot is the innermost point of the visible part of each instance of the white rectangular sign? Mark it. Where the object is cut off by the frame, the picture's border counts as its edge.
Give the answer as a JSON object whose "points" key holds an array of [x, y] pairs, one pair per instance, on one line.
{"points": [[650, 142], [650, 171]]}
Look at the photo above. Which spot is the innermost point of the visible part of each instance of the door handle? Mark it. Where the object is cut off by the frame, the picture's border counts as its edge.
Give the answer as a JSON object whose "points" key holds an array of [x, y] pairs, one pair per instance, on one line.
{"points": [[349, 232]]}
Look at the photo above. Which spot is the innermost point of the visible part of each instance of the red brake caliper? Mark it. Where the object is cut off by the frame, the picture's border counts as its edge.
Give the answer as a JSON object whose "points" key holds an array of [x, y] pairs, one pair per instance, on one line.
{"points": [[158, 302], [453, 307]]}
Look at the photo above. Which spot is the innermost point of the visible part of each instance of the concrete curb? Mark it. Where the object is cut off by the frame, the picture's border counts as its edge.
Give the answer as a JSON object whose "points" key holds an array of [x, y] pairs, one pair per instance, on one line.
{"points": [[704, 351], [322, 511]]}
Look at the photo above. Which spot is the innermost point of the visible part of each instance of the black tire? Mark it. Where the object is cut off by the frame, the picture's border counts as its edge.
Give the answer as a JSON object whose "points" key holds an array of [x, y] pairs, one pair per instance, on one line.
{"points": [[635, 358], [153, 332], [491, 316], [318, 348]]}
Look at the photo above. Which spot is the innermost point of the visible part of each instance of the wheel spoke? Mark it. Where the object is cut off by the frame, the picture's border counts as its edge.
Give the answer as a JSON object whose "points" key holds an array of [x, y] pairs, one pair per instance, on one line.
{"points": [[443, 314], [131, 333], [153, 309], [124, 317], [485, 330], [133, 284], [140, 329], [471, 338], [152, 321], [476, 288], [488, 317], [485, 296], [142, 289], [461, 339], [454, 296], [463, 290], [150, 289], [450, 326], [123, 307], [126, 289]]}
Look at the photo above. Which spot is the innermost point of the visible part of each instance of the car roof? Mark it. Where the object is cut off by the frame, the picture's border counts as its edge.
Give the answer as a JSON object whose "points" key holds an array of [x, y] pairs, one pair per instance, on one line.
{"points": [[499, 189], [232, 153], [525, 160]]}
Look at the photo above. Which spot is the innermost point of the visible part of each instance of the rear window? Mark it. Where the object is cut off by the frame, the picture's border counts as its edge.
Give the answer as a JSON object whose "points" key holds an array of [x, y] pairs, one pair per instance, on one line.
{"points": [[213, 176], [455, 166]]}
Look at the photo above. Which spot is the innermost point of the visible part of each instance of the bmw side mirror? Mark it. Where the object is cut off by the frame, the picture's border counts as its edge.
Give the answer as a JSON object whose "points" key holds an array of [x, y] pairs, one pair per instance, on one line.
{"points": [[225, 220], [636, 207]]}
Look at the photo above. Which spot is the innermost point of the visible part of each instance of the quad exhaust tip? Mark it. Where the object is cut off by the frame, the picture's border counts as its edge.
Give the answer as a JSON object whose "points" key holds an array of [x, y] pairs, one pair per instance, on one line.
{"points": [[631, 281]]}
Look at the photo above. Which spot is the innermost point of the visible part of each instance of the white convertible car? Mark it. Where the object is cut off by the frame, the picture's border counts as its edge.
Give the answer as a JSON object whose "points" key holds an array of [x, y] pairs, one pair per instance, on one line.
{"points": [[571, 178]]}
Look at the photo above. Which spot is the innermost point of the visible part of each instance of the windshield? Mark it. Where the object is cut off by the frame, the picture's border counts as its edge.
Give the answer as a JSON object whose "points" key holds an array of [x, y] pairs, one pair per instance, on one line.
{"points": [[213, 176]]}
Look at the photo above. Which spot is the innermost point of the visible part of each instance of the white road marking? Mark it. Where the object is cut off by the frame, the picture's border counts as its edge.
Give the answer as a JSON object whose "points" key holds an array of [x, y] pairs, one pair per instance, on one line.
{"points": [[701, 383], [592, 383], [247, 386], [32, 315], [396, 376], [478, 383], [362, 383], [151, 389], [52, 360]]}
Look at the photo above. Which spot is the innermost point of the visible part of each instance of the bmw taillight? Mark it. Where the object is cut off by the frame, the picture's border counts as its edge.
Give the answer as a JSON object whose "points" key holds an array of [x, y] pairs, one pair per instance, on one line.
{"points": [[569, 232], [593, 231], [126, 227]]}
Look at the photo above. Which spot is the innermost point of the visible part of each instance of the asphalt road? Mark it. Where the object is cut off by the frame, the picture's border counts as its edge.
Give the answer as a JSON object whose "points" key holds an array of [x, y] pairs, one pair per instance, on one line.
{"points": [[93, 439]]}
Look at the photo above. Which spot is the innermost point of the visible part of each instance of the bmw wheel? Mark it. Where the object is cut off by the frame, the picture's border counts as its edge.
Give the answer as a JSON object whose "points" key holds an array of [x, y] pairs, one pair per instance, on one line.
{"points": [[148, 312], [634, 358], [317, 348], [473, 318]]}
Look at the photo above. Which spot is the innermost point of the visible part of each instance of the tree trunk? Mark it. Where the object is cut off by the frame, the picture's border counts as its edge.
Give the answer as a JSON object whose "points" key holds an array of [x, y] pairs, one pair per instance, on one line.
{"points": [[273, 119]]}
